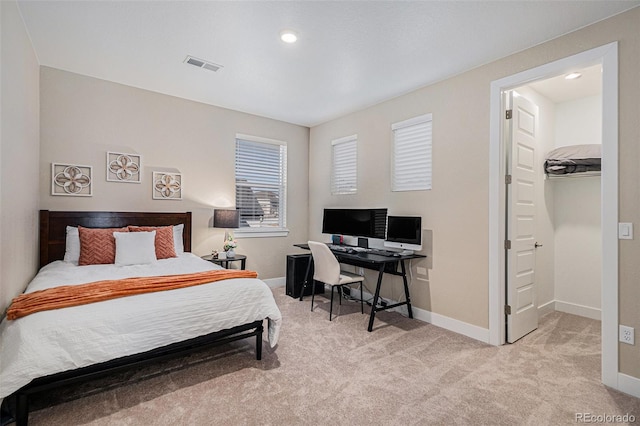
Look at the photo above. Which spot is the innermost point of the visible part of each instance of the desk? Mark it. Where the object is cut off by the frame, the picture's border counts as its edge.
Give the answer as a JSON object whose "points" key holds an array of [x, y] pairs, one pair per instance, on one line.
{"points": [[378, 262]]}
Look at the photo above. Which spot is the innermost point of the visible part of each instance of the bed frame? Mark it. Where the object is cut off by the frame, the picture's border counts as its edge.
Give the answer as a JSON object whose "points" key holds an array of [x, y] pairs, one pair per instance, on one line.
{"points": [[52, 246]]}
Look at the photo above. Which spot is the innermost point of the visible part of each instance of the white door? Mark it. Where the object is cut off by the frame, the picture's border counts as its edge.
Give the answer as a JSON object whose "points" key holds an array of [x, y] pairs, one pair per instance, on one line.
{"points": [[522, 309]]}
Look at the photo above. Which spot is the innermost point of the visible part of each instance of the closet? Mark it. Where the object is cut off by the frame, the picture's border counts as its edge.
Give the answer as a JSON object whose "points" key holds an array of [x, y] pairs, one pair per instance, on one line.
{"points": [[568, 226]]}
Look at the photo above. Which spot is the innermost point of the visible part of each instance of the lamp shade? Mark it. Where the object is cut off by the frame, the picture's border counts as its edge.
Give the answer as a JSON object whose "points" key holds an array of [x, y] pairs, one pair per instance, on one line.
{"points": [[225, 218]]}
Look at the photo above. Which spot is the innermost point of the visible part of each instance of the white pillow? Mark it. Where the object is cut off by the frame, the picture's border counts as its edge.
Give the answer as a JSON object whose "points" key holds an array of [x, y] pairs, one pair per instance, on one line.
{"points": [[135, 248], [72, 242], [178, 244]]}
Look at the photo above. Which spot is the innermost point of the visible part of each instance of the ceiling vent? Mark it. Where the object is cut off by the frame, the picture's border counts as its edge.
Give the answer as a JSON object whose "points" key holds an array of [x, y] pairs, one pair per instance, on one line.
{"points": [[202, 63]]}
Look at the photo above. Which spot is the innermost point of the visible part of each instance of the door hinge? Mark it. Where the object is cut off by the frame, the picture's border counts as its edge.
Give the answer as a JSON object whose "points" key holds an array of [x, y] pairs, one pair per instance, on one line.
{"points": [[509, 114], [507, 309], [507, 179], [507, 244]]}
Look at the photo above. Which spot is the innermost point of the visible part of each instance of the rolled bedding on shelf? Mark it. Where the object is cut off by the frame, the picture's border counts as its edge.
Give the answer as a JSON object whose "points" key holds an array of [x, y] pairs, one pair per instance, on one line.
{"points": [[574, 159]]}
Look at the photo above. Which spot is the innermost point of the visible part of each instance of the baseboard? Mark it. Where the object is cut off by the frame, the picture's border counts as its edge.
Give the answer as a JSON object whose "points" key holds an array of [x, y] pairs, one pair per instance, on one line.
{"points": [[575, 309], [276, 282], [451, 324], [442, 321], [546, 308], [629, 384]]}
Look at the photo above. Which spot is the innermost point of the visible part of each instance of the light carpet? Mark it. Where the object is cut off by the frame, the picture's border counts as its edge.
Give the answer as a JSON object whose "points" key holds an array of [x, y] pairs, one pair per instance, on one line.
{"points": [[336, 373]]}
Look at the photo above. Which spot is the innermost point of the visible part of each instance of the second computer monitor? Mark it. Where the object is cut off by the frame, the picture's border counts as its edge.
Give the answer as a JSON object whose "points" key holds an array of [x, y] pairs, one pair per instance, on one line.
{"points": [[404, 232]]}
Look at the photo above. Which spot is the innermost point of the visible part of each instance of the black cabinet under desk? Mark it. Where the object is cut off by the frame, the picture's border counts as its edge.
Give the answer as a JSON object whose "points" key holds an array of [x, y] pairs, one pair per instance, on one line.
{"points": [[296, 270]]}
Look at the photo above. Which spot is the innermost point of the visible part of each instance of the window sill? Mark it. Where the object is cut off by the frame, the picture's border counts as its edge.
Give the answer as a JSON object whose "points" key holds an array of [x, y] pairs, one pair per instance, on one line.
{"points": [[260, 232]]}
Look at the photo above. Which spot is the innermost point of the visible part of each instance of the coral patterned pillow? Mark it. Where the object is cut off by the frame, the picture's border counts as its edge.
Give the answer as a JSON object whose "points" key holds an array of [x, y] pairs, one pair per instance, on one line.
{"points": [[164, 239], [97, 245]]}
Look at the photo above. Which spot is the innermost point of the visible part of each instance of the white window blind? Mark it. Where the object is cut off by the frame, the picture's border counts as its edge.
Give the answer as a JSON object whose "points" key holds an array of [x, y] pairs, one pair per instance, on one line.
{"points": [[261, 182], [344, 172], [411, 168]]}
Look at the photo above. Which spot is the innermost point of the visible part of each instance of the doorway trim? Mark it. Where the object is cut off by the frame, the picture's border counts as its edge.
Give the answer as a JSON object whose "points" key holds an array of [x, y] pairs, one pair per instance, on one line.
{"points": [[606, 55]]}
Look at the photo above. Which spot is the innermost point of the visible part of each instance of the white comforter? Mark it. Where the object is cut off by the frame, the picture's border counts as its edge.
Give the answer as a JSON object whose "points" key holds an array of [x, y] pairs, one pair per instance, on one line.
{"points": [[49, 342]]}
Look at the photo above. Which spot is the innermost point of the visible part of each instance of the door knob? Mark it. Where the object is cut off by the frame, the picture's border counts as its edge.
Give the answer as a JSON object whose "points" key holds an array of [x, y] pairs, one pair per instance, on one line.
{"points": [[536, 245]]}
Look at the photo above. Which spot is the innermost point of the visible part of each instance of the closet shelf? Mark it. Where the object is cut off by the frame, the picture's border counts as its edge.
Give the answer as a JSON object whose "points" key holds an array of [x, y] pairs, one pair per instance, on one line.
{"points": [[573, 175]]}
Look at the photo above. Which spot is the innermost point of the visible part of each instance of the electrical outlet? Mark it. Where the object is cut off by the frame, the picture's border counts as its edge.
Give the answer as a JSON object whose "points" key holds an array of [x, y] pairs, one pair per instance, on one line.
{"points": [[626, 335]]}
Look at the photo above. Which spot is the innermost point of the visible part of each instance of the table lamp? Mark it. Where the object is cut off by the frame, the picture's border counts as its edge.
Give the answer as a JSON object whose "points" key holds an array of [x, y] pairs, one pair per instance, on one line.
{"points": [[226, 218]]}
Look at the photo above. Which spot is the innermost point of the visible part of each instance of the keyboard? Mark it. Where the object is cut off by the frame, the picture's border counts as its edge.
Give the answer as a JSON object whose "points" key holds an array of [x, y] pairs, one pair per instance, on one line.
{"points": [[337, 247], [351, 249], [383, 252]]}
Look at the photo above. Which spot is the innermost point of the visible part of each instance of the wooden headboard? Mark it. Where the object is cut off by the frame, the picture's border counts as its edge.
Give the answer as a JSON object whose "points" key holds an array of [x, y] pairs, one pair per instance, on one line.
{"points": [[53, 227]]}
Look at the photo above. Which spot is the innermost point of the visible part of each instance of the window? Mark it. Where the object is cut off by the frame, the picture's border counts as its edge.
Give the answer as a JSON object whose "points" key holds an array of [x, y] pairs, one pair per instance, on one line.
{"points": [[344, 175], [411, 168], [261, 182]]}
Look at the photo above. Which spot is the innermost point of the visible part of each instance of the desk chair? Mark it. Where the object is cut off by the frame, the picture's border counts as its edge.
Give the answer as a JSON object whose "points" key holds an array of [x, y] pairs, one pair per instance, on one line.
{"points": [[327, 271]]}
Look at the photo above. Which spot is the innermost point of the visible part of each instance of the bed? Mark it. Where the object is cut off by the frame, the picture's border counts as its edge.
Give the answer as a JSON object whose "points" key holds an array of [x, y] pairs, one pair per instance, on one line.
{"points": [[56, 347], [574, 160]]}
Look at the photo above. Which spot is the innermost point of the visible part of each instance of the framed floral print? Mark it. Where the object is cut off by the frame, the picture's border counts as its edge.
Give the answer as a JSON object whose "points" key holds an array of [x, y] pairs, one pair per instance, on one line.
{"points": [[70, 179], [167, 186], [124, 167]]}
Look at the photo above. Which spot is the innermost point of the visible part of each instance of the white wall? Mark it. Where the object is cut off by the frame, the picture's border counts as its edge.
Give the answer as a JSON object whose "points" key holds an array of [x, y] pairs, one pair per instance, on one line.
{"points": [[19, 154], [578, 235], [82, 118], [578, 241], [579, 122]]}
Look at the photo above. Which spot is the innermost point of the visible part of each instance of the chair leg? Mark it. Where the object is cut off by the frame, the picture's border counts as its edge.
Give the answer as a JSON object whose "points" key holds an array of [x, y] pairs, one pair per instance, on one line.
{"points": [[331, 305], [361, 297], [313, 293], [340, 293]]}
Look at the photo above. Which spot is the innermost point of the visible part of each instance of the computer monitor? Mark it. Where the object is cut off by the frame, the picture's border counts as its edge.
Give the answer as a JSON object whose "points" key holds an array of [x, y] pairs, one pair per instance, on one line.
{"points": [[369, 223], [404, 232]]}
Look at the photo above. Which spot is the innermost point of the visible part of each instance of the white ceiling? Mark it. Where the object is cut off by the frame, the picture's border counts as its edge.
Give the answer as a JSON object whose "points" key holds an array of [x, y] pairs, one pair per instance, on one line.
{"points": [[349, 54], [558, 89]]}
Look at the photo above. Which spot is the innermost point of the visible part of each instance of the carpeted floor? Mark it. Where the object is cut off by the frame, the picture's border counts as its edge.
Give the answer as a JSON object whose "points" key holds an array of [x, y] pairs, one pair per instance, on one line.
{"points": [[336, 373]]}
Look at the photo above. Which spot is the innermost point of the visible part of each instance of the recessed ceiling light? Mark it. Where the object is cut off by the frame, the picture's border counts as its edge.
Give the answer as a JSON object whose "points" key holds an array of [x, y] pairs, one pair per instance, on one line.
{"points": [[288, 36], [572, 76]]}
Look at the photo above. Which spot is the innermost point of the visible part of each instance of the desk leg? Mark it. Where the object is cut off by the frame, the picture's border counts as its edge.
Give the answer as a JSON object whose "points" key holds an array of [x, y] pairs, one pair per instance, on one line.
{"points": [[306, 279], [374, 304], [406, 288]]}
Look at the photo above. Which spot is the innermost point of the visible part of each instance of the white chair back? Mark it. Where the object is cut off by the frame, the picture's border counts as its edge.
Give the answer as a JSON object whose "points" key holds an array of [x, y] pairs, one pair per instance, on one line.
{"points": [[326, 266]]}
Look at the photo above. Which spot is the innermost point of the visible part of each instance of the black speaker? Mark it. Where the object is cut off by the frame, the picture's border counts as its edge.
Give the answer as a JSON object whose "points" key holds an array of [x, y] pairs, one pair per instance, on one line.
{"points": [[363, 242], [296, 270]]}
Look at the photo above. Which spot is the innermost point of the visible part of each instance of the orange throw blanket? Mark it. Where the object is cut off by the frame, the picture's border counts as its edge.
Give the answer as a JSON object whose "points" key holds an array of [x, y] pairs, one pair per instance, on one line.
{"points": [[82, 294]]}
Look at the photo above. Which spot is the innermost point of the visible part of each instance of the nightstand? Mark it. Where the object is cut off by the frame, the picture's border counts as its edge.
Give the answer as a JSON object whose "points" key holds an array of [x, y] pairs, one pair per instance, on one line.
{"points": [[225, 262]]}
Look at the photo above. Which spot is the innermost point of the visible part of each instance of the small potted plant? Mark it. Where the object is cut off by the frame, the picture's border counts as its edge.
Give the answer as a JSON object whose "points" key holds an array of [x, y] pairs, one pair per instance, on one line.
{"points": [[229, 246]]}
